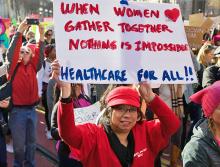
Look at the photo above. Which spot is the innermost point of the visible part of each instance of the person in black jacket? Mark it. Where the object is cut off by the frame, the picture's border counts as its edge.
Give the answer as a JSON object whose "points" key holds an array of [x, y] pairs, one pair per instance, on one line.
{"points": [[212, 73]]}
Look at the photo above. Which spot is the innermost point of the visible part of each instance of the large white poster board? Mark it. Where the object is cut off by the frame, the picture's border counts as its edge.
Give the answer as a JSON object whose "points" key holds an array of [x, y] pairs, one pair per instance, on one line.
{"points": [[107, 42]]}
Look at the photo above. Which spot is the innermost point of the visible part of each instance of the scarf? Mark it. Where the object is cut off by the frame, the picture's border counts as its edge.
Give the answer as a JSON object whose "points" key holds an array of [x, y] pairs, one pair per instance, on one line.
{"points": [[124, 154], [177, 99]]}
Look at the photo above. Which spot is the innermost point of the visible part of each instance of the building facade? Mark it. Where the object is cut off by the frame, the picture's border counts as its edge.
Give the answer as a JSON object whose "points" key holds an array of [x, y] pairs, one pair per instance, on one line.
{"points": [[19, 9]]}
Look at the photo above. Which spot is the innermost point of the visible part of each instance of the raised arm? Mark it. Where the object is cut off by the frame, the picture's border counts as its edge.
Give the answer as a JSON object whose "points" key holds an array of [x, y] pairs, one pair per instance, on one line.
{"points": [[14, 48], [71, 135], [82, 137], [39, 51], [162, 128]]}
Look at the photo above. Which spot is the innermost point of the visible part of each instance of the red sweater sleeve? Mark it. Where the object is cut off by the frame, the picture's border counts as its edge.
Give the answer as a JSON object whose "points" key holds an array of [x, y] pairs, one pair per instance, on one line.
{"points": [[13, 52], [38, 58], [81, 137], [160, 131]]}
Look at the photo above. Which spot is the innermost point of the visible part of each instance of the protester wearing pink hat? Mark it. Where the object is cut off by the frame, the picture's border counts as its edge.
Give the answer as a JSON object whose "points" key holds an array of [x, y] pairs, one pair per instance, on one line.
{"points": [[203, 149], [25, 62], [216, 40], [124, 139]]}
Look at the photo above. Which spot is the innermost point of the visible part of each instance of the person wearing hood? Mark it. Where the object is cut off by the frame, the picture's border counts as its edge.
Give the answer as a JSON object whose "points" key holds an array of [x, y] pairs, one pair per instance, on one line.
{"points": [[203, 149], [124, 139]]}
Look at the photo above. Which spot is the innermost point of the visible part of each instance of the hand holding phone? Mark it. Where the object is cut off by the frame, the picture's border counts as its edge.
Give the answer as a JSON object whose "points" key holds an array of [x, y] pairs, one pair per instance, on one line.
{"points": [[33, 21]]}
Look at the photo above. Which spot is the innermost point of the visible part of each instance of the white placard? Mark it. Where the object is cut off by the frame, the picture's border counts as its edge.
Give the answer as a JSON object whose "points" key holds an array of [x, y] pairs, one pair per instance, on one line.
{"points": [[87, 114], [107, 42]]}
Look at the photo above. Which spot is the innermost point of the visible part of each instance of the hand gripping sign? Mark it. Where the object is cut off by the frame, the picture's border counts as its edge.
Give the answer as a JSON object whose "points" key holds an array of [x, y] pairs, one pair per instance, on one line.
{"points": [[109, 42]]}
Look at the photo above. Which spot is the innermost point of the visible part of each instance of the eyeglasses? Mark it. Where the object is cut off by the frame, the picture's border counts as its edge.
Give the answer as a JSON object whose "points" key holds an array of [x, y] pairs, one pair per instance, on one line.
{"points": [[125, 108], [24, 52], [49, 34]]}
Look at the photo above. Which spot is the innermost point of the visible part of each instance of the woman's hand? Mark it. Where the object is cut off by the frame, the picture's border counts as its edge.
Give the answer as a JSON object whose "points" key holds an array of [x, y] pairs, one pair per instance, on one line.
{"points": [[4, 103], [41, 31], [64, 86], [23, 26], [146, 92]]}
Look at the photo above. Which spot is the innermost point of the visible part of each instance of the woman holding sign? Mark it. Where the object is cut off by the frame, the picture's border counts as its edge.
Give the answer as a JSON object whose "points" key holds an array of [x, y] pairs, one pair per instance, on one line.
{"points": [[125, 139]]}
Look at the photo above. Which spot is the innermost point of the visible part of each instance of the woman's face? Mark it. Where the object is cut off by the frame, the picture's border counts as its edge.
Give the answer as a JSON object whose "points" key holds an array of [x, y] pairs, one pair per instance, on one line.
{"points": [[216, 115], [30, 35], [78, 89], [52, 54], [123, 118], [49, 34], [210, 56], [25, 54]]}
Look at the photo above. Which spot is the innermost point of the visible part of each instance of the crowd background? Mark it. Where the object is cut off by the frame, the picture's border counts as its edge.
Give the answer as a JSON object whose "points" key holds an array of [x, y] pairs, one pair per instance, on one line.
{"points": [[24, 47]]}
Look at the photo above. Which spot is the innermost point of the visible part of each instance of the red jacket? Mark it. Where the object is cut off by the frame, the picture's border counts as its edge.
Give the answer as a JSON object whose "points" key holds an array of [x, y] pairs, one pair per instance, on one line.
{"points": [[95, 151], [24, 86]]}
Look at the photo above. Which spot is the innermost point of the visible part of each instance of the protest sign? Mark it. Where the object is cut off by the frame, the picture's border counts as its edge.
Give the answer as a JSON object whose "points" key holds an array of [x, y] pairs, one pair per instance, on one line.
{"points": [[87, 114], [194, 36], [196, 20], [207, 24], [106, 42], [4, 31]]}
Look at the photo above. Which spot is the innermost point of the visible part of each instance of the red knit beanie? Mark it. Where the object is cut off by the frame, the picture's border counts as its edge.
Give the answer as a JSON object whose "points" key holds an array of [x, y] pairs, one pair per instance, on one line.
{"points": [[209, 98], [123, 95]]}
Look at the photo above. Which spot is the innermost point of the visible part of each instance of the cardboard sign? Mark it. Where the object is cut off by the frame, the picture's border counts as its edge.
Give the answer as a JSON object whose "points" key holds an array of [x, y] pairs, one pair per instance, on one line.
{"points": [[87, 114], [194, 36], [207, 24], [106, 42], [196, 20]]}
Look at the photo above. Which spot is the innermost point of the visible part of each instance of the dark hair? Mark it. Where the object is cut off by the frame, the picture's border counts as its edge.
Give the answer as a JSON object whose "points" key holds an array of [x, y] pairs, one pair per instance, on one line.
{"points": [[73, 92], [46, 33]]}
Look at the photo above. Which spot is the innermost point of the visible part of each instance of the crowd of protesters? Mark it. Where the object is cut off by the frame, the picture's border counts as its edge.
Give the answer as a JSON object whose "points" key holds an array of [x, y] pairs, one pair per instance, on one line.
{"points": [[136, 125]]}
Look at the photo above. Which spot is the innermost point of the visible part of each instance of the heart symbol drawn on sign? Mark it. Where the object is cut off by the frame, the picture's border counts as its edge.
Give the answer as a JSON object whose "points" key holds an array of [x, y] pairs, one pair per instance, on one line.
{"points": [[172, 14]]}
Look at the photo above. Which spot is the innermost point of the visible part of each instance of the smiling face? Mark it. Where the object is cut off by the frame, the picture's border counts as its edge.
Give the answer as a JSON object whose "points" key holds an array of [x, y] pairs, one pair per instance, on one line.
{"points": [[123, 118]]}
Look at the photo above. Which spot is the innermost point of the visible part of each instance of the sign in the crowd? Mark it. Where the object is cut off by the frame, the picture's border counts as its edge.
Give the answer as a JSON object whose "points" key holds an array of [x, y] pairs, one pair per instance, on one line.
{"points": [[4, 31], [207, 24], [196, 20], [194, 36], [107, 42], [87, 114]]}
